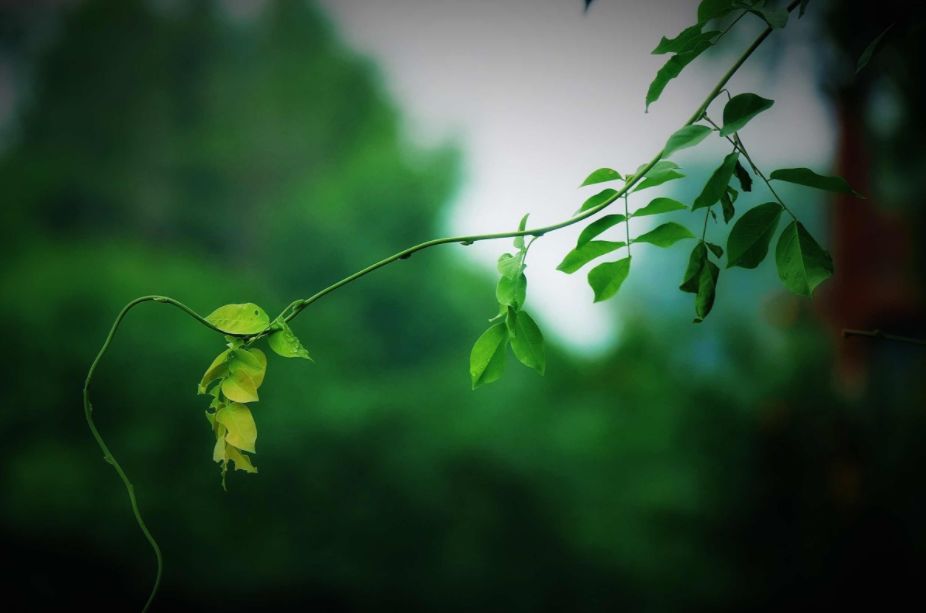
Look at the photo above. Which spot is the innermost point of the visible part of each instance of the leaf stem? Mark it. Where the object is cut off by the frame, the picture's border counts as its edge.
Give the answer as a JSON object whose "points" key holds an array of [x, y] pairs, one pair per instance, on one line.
{"points": [[737, 143], [627, 224]]}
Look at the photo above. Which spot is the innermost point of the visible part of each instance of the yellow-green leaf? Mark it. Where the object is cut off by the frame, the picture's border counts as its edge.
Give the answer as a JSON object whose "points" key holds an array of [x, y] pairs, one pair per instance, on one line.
{"points": [[242, 461], [240, 387], [218, 451], [217, 369], [237, 419], [252, 361], [247, 318], [285, 343]]}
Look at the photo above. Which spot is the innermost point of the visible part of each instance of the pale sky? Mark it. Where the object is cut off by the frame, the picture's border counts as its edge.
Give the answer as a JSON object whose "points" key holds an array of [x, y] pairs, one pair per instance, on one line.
{"points": [[538, 94]]}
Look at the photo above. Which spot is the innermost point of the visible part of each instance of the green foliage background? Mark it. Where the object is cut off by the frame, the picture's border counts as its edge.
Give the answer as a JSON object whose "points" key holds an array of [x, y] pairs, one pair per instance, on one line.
{"points": [[172, 150]]}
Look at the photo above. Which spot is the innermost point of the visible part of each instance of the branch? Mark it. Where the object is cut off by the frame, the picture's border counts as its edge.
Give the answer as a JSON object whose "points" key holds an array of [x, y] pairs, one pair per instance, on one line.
{"points": [[846, 333]]}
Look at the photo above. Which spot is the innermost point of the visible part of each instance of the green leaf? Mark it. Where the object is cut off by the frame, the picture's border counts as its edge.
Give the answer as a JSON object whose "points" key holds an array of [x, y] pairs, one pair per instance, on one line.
{"points": [[707, 287], [807, 177], [869, 51], [602, 175], [217, 369], [247, 318], [605, 279], [802, 263], [238, 421], [585, 253], [526, 340], [742, 175], [512, 292], [519, 240], [285, 343], [688, 136], [487, 359], [251, 361], [658, 206], [751, 235], [688, 39], [672, 68], [602, 197], [242, 462], [726, 202], [662, 172], [740, 110], [509, 266], [717, 184], [239, 387], [665, 235], [597, 227], [696, 262], [716, 249], [714, 9]]}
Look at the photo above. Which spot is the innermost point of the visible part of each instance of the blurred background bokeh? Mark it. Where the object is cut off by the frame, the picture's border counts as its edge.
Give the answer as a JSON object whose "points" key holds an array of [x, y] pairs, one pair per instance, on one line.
{"points": [[232, 151]]}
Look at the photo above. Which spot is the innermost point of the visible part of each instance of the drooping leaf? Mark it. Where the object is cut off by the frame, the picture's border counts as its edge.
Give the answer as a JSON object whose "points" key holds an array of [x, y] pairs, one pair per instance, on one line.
{"points": [[869, 51], [807, 177], [603, 197], [672, 68], [665, 235], [526, 340], [512, 292], [238, 421], [519, 240], [743, 176], [658, 206], [696, 262], [219, 452], [585, 253], [751, 235], [252, 361], [685, 137], [509, 265], [716, 249], [597, 227], [285, 343], [740, 110], [487, 359], [247, 318], [726, 203], [717, 184], [239, 387], [602, 175], [707, 288], [242, 461], [217, 369], [688, 39], [802, 263], [714, 9], [605, 279]]}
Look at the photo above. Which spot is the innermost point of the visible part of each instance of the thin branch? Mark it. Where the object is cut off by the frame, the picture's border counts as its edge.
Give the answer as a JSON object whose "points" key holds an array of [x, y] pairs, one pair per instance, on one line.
{"points": [[846, 333]]}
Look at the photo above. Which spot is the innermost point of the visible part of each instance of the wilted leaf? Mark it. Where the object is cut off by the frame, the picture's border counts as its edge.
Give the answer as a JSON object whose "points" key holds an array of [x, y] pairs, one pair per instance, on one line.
{"points": [[240, 426]]}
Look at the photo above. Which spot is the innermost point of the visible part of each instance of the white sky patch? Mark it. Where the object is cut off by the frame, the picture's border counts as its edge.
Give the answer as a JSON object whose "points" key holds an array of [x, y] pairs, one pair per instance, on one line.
{"points": [[538, 95]]}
